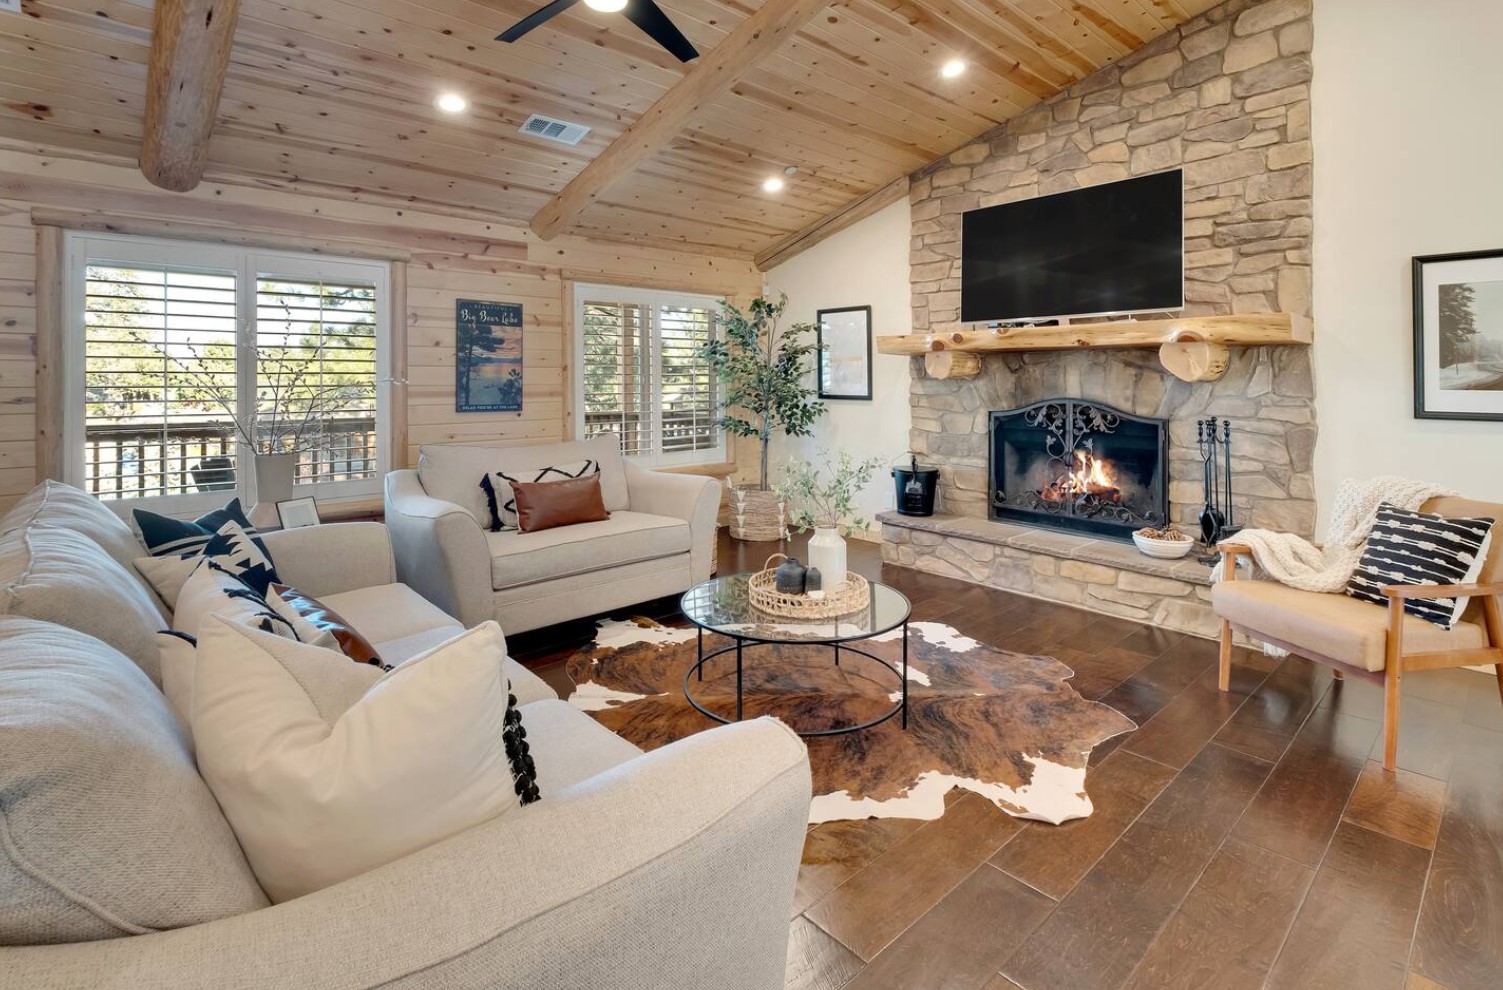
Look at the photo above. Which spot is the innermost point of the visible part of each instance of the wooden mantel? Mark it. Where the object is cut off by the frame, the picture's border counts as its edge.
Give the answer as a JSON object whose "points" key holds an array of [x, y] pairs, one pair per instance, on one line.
{"points": [[1193, 348]]}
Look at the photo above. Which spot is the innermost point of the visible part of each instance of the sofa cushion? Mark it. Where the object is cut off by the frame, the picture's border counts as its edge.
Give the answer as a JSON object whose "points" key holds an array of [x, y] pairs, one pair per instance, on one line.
{"points": [[569, 746], [625, 538], [106, 828], [59, 506], [1335, 626], [61, 576], [316, 795], [232, 549], [402, 624], [452, 472]]}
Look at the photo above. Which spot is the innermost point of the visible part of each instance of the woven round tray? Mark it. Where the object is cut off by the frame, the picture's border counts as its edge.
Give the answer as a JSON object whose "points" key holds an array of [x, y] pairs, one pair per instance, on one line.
{"points": [[762, 589]]}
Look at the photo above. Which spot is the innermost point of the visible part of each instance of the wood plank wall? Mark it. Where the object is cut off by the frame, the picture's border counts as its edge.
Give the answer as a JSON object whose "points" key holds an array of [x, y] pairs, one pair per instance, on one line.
{"points": [[450, 259]]}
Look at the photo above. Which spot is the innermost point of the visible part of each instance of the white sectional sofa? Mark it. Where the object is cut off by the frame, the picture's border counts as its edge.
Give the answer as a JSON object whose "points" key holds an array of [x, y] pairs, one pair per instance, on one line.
{"points": [[659, 540], [670, 869]]}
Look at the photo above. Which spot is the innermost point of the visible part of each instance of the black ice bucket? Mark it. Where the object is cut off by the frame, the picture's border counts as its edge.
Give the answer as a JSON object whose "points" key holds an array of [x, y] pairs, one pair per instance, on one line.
{"points": [[915, 486]]}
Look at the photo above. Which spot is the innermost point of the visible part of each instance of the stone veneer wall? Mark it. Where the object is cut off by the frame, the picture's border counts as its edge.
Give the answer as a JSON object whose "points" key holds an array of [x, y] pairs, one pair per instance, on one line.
{"points": [[1227, 97]]}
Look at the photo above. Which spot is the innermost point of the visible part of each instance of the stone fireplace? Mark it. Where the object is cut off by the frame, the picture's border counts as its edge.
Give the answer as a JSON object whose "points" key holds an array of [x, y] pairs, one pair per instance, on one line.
{"points": [[1225, 96], [1079, 466]]}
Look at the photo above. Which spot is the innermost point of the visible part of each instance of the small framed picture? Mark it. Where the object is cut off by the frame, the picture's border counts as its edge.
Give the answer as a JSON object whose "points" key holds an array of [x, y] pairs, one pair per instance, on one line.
{"points": [[296, 513], [845, 352], [1458, 336]]}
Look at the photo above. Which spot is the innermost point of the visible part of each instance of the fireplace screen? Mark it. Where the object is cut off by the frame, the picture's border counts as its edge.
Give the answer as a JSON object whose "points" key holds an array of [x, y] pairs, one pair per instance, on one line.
{"points": [[1079, 465]]}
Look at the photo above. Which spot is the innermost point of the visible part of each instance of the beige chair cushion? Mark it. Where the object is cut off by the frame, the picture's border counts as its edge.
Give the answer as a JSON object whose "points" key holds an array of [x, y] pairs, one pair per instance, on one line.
{"points": [[519, 559], [401, 623], [1334, 626], [569, 747]]}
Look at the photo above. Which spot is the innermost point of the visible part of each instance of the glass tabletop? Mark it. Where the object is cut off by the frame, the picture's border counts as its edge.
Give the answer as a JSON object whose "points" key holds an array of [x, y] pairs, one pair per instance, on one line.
{"points": [[722, 605]]}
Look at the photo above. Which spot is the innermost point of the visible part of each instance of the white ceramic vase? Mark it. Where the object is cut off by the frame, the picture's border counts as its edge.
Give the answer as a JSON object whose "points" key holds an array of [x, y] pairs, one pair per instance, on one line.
{"points": [[274, 479], [827, 552]]}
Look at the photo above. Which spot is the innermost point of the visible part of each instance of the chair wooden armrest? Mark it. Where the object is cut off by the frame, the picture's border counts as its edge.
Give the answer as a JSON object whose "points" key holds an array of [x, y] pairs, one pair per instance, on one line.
{"points": [[1229, 554], [1401, 591]]}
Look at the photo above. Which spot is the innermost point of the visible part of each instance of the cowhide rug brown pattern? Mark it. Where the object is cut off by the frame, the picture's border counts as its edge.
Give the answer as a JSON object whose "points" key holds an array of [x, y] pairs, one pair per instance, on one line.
{"points": [[1007, 726]]}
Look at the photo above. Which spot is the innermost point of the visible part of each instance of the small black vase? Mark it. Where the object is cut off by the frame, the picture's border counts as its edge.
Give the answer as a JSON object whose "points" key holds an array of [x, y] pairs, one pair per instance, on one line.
{"points": [[790, 577]]}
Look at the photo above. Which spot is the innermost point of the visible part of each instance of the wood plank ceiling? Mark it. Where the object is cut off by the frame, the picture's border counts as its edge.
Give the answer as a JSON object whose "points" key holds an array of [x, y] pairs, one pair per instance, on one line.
{"points": [[335, 97]]}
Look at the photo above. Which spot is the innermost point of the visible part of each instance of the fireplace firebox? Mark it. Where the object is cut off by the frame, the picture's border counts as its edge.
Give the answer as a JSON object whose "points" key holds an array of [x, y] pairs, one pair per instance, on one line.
{"points": [[1080, 466]]}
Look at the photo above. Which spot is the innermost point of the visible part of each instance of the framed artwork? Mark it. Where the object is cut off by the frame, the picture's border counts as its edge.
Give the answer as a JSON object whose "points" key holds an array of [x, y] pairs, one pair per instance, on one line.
{"points": [[295, 513], [1458, 336], [487, 356], [845, 352]]}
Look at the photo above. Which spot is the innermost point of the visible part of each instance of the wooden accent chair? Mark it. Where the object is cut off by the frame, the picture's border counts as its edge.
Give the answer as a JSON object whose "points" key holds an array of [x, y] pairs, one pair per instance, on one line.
{"points": [[1366, 640]]}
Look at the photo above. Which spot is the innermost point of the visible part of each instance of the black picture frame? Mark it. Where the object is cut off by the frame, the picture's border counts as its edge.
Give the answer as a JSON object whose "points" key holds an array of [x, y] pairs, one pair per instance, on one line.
{"points": [[296, 513], [826, 370], [1429, 345]]}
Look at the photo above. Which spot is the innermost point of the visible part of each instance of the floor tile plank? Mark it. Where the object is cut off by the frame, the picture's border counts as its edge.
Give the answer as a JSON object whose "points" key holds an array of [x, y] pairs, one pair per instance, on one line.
{"points": [[1053, 858], [960, 943], [1356, 924], [1228, 931], [1397, 803], [1186, 724], [1265, 724], [816, 961], [1104, 926], [1299, 807], [835, 851], [876, 905]]}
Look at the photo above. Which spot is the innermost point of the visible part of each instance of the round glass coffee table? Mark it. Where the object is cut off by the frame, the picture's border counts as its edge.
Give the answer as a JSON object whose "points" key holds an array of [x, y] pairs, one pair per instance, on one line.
{"points": [[722, 605]]}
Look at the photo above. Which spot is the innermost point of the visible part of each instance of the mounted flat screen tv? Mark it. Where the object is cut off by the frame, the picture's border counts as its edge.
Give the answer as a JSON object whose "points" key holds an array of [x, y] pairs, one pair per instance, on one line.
{"points": [[1113, 248]]}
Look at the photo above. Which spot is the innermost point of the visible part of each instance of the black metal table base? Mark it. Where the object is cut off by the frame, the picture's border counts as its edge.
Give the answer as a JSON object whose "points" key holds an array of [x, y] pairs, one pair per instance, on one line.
{"points": [[739, 646]]}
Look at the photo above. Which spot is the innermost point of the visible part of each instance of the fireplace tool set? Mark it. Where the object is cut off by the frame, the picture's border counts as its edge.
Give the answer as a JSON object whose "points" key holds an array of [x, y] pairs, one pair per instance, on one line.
{"points": [[1213, 438]]}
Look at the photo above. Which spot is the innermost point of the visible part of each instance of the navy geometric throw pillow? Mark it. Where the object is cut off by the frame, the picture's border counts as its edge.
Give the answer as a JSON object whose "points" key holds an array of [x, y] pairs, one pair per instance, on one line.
{"points": [[164, 535], [233, 551]]}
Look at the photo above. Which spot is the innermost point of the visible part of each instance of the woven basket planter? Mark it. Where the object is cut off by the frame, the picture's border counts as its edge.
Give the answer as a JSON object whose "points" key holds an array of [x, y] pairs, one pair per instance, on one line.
{"points": [[756, 516]]}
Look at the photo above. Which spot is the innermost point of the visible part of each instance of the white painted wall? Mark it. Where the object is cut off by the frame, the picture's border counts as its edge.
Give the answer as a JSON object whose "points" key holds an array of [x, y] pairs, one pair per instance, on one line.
{"points": [[866, 264], [1408, 161]]}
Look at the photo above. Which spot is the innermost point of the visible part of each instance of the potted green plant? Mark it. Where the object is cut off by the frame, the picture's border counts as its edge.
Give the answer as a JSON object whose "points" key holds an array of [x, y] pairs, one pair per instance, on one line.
{"points": [[764, 372], [825, 501]]}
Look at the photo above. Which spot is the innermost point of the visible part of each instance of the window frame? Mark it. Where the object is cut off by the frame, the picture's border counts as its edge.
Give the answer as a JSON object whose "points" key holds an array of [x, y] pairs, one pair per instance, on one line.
{"points": [[248, 265], [654, 299]]}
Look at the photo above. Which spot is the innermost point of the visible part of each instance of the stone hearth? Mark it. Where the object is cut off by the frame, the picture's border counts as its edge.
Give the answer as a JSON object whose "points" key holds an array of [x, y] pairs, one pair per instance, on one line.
{"points": [[1103, 575]]}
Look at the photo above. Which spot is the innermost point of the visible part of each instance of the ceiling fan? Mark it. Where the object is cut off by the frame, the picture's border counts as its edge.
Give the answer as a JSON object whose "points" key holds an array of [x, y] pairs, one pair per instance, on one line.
{"points": [[645, 14]]}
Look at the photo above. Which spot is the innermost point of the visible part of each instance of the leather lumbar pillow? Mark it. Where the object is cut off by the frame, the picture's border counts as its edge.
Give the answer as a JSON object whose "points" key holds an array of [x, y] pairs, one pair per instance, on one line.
{"points": [[320, 625], [317, 795], [547, 504]]}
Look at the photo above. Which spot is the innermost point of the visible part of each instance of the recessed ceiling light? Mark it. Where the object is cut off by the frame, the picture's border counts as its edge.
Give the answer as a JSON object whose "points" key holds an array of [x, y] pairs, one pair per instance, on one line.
{"points": [[606, 6], [451, 103], [952, 68], [772, 185]]}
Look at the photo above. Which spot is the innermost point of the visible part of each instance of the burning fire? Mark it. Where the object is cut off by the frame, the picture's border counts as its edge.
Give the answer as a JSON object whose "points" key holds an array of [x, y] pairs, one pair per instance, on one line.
{"points": [[1089, 476]]}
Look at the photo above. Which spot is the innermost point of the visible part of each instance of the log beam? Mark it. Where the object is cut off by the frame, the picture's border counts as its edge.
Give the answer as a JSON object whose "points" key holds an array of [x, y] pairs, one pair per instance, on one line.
{"points": [[753, 40], [190, 50], [1247, 330]]}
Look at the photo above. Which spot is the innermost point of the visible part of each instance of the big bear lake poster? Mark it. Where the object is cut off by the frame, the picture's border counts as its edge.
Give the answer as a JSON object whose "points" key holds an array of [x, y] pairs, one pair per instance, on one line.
{"points": [[487, 356]]}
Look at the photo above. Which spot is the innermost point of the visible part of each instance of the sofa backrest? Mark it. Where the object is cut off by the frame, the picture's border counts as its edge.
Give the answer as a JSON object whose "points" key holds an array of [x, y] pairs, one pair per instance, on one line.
{"points": [[58, 506], [1457, 507], [108, 828], [452, 472]]}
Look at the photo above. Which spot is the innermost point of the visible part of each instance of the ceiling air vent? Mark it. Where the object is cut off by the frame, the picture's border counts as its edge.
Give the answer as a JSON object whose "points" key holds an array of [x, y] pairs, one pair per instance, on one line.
{"points": [[554, 130]]}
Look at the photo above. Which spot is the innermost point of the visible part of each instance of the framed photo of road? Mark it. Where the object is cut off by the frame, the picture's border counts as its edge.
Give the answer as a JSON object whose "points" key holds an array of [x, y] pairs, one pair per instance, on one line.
{"points": [[1458, 336]]}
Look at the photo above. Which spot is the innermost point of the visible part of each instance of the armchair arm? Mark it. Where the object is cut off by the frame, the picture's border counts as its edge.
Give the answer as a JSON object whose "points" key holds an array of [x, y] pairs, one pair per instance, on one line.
{"points": [[692, 498], [1397, 592], [679, 863], [441, 551], [1229, 554], [333, 557]]}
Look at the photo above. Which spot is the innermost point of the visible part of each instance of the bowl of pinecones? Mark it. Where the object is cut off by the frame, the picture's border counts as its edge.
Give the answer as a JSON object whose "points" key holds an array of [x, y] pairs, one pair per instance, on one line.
{"points": [[1166, 544]]}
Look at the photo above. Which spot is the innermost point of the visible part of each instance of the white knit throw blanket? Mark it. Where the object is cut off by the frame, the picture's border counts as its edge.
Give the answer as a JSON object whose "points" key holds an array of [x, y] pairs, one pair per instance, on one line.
{"points": [[1295, 561]]}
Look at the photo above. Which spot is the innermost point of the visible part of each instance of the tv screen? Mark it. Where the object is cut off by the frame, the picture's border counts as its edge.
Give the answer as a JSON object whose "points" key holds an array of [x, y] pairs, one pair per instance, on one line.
{"points": [[1112, 248]]}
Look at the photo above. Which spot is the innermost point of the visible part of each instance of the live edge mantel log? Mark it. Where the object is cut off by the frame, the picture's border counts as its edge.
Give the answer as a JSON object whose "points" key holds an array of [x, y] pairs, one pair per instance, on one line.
{"points": [[1192, 348]]}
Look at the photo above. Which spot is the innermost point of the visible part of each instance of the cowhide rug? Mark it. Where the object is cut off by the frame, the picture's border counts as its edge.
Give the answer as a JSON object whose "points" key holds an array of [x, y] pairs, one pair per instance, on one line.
{"points": [[1007, 726]]}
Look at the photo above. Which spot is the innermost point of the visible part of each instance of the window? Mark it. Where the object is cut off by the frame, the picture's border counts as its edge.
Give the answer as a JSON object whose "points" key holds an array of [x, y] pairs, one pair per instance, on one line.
{"points": [[640, 373], [181, 354]]}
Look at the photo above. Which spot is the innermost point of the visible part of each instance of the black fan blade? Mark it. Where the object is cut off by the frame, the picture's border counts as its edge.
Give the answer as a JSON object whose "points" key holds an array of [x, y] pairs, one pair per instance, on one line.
{"points": [[650, 18], [535, 18]]}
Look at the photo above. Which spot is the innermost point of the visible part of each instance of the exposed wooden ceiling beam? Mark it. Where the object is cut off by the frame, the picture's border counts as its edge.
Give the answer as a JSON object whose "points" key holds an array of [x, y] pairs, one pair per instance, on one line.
{"points": [[190, 49], [753, 40], [848, 215]]}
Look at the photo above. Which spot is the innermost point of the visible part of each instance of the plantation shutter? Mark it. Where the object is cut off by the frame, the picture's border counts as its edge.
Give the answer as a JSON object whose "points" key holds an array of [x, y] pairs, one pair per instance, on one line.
{"points": [[686, 385], [616, 375], [160, 372], [642, 376], [316, 353]]}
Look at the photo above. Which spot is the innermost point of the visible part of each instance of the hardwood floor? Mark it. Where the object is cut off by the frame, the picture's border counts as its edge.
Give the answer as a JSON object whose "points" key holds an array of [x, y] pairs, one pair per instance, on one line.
{"points": [[1240, 840]]}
